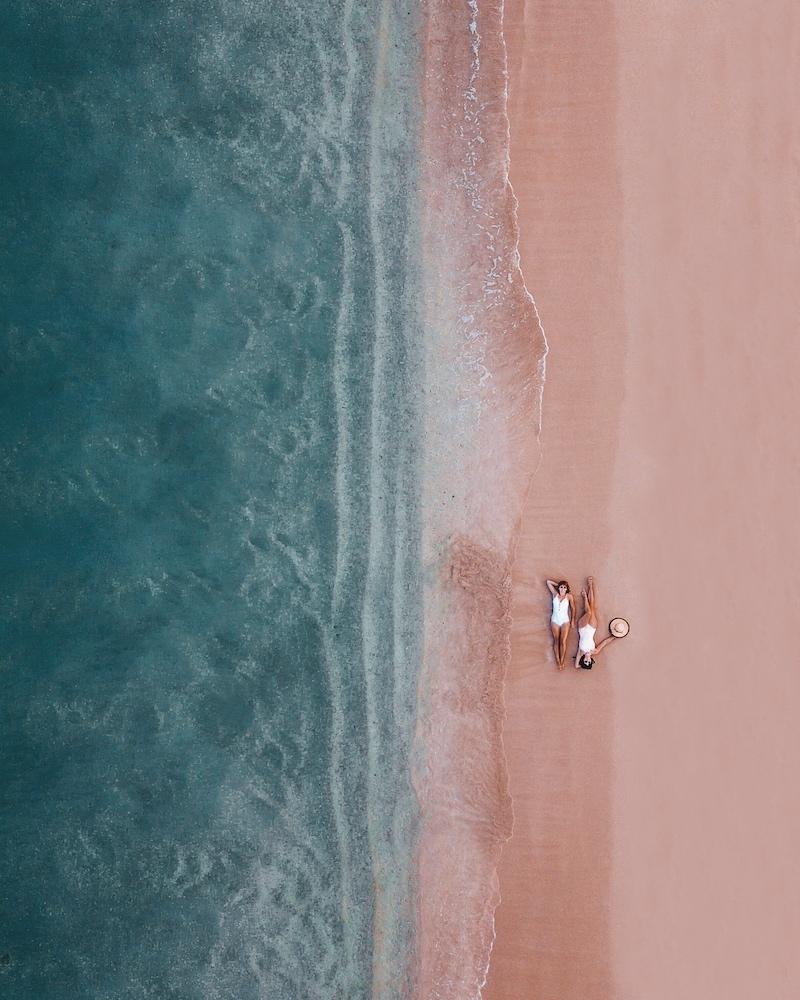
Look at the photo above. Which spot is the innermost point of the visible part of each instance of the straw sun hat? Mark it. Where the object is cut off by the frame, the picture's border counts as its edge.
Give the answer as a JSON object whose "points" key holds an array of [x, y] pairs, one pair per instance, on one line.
{"points": [[618, 627]]}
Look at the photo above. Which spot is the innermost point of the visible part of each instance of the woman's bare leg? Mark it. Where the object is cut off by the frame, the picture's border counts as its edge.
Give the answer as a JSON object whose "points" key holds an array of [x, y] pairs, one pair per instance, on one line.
{"points": [[586, 616], [591, 607], [562, 645], [556, 630]]}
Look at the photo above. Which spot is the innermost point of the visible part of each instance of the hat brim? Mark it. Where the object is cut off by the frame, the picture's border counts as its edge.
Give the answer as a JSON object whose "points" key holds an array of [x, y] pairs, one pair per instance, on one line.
{"points": [[618, 627]]}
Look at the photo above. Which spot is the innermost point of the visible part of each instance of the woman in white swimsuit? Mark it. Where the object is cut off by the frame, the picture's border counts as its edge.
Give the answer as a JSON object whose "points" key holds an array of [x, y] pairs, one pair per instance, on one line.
{"points": [[561, 618], [587, 626]]}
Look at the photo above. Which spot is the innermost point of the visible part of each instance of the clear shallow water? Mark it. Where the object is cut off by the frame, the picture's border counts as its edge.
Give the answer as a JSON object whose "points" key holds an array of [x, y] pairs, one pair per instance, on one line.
{"points": [[211, 594]]}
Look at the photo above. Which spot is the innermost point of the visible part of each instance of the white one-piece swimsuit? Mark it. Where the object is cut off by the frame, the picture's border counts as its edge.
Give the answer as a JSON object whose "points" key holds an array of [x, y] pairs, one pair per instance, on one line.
{"points": [[586, 638], [560, 611]]}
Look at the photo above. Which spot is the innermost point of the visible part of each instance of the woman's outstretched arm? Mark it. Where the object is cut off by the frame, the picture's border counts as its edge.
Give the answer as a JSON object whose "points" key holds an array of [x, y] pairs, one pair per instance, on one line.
{"points": [[604, 643]]}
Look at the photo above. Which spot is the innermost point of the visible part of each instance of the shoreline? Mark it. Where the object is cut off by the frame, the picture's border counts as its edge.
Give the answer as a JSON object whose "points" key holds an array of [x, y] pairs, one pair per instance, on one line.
{"points": [[483, 369]]}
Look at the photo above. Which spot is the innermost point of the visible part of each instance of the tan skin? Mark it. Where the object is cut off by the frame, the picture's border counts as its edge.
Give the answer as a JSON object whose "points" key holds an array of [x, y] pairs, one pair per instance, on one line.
{"points": [[561, 632], [589, 617]]}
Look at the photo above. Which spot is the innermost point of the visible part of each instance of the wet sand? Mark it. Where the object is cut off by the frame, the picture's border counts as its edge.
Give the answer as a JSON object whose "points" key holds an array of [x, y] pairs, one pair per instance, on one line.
{"points": [[553, 930], [655, 156], [481, 396]]}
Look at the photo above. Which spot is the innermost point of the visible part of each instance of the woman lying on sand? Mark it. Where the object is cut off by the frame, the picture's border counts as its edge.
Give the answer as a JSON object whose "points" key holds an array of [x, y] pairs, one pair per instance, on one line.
{"points": [[587, 626], [561, 619]]}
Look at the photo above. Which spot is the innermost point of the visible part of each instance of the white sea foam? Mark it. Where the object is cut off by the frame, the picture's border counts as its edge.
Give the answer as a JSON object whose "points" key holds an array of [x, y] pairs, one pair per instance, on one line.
{"points": [[485, 374]]}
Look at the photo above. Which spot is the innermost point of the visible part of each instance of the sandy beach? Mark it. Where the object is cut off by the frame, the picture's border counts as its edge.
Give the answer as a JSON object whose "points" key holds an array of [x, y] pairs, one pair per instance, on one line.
{"points": [[553, 928], [654, 153]]}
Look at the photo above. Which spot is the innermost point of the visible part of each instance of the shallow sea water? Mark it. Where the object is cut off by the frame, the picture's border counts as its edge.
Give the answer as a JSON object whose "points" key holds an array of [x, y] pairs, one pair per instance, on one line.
{"points": [[211, 608]]}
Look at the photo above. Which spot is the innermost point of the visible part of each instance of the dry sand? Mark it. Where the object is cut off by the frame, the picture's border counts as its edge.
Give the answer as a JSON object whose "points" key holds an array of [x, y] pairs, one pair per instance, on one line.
{"points": [[655, 853]]}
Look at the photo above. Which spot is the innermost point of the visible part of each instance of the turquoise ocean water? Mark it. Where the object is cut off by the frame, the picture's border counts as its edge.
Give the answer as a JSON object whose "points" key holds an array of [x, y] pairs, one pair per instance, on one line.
{"points": [[210, 363]]}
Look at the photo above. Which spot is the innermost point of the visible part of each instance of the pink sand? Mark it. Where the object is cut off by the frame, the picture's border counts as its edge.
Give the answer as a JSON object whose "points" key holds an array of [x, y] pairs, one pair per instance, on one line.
{"points": [[482, 394], [656, 844]]}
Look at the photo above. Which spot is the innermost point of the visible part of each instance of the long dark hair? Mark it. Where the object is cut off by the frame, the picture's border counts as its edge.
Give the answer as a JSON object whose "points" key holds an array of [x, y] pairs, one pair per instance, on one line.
{"points": [[586, 662]]}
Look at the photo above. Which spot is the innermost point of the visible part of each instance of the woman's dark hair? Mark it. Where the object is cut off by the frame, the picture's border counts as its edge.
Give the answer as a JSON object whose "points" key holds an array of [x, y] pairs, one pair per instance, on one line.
{"points": [[586, 662], [563, 583]]}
